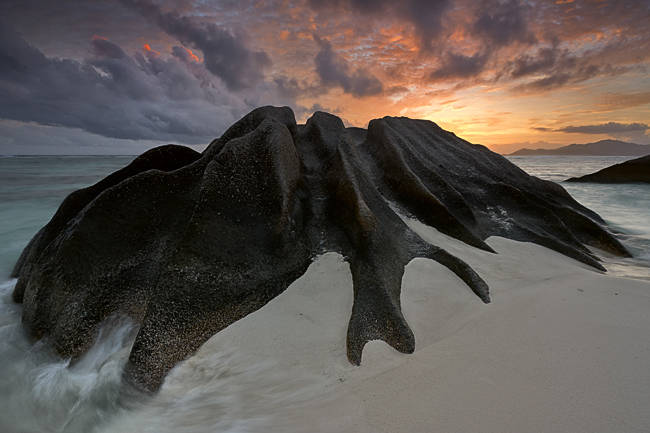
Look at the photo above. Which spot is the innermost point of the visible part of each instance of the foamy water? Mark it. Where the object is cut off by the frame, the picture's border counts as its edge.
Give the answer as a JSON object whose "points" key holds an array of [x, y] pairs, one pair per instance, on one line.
{"points": [[40, 392], [231, 384], [223, 388]]}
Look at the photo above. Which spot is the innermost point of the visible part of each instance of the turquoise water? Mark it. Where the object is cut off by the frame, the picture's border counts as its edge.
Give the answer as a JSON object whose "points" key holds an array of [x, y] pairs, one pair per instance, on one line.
{"points": [[31, 189]]}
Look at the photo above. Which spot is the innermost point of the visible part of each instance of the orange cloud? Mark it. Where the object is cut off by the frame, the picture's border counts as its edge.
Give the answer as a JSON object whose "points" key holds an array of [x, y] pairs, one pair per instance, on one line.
{"points": [[192, 55], [148, 49]]}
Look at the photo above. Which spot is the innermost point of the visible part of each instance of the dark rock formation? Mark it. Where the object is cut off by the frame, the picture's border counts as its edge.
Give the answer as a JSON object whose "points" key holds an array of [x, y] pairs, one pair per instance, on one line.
{"points": [[186, 244], [599, 148], [633, 171]]}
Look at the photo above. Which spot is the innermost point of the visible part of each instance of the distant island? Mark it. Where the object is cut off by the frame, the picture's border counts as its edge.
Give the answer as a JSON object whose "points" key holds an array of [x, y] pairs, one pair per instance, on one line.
{"points": [[599, 148]]}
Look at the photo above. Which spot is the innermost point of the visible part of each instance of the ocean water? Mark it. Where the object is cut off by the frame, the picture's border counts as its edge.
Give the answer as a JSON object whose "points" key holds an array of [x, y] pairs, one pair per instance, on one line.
{"points": [[32, 188], [625, 207], [40, 392]]}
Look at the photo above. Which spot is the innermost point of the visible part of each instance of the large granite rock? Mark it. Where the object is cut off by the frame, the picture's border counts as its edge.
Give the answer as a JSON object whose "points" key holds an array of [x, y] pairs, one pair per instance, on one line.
{"points": [[188, 243], [632, 171]]}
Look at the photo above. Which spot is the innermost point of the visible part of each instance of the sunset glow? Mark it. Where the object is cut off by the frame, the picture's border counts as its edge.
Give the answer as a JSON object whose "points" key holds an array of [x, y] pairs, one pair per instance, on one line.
{"points": [[505, 74], [192, 55], [148, 49]]}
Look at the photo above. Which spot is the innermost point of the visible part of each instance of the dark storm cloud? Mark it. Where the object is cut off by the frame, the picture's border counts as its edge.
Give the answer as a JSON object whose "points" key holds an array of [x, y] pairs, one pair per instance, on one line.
{"points": [[544, 60], [559, 77], [425, 15], [502, 23], [558, 67], [396, 90], [293, 88], [289, 86], [459, 66], [606, 128], [225, 54], [396, 49], [335, 71], [112, 94], [63, 28], [104, 48], [496, 24]]}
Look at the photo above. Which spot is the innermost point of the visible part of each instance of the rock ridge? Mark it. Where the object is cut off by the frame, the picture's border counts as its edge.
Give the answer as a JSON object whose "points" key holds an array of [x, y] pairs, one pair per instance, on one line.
{"points": [[187, 243]]}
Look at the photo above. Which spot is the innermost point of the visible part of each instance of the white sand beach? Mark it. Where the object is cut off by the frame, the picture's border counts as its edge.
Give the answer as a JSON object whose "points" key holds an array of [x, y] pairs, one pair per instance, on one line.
{"points": [[561, 348]]}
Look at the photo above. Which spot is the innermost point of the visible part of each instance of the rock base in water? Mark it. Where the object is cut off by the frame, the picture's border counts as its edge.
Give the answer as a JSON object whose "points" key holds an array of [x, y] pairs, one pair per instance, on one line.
{"points": [[632, 171], [187, 243]]}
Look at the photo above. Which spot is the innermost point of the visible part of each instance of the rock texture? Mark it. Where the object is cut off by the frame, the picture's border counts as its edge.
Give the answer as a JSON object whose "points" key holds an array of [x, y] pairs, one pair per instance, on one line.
{"points": [[633, 171], [188, 243]]}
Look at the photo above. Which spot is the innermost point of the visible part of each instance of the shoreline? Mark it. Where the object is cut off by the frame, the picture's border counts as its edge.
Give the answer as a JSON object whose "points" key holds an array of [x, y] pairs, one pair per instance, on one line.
{"points": [[562, 347]]}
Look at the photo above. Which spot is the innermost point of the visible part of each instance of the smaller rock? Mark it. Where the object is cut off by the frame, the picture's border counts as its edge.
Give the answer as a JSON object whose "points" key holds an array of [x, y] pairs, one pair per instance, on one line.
{"points": [[632, 171]]}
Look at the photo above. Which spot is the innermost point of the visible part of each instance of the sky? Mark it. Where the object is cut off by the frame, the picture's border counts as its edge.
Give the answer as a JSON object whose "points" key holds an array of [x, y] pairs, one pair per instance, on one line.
{"points": [[117, 77]]}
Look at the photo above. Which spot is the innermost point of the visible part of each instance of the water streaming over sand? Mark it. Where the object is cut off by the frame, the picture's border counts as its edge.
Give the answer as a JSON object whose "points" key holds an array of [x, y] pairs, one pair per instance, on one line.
{"points": [[40, 392], [217, 390], [220, 389]]}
